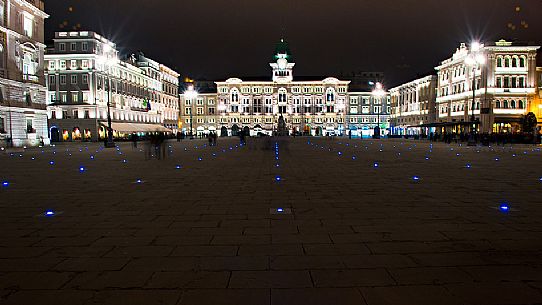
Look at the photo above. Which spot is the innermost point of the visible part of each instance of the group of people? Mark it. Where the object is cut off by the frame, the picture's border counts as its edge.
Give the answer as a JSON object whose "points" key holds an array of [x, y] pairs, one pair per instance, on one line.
{"points": [[212, 137]]}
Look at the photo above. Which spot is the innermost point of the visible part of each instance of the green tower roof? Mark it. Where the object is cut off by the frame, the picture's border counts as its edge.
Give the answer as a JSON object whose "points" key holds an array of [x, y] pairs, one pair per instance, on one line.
{"points": [[282, 48]]}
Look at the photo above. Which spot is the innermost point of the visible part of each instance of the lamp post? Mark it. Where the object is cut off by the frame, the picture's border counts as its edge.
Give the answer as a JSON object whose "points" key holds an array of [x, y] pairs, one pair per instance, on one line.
{"points": [[109, 62], [378, 93], [191, 94], [475, 59]]}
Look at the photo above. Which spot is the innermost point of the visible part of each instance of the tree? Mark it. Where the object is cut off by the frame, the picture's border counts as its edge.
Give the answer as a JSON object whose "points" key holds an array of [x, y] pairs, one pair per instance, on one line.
{"points": [[529, 122]]}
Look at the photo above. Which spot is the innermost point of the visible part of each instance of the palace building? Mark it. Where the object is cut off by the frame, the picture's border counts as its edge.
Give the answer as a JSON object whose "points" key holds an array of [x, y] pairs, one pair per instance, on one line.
{"points": [[310, 106], [23, 114], [88, 84], [501, 79]]}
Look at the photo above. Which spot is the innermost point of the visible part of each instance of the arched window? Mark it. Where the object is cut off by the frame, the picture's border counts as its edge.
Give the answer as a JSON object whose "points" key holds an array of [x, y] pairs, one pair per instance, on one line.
{"points": [[522, 61], [513, 104], [499, 61], [507, 62], [234, 95], [514, 62], [330, 95], [497, 104], [282, 95], [505, 106], [521, 104]]}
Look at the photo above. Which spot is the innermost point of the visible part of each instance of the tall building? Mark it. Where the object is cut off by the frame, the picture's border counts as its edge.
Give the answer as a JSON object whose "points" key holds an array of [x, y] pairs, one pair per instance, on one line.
{"points": [[413, 106], [85, 75], [309, 106], [502, 80], [23, 114], [170, 97]]}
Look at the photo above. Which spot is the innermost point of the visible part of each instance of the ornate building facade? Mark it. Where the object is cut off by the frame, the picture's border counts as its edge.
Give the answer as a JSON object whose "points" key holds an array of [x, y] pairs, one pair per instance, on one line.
{"points": [[23, 115], [85, 74], [413, 104], [505, 84], [309, 106]]}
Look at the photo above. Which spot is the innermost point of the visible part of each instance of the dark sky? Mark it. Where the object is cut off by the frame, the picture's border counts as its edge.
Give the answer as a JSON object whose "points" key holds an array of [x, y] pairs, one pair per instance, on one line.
{"points": [[216, 39]]}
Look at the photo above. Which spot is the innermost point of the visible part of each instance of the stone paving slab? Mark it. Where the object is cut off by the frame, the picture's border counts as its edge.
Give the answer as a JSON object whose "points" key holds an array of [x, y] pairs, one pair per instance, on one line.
{"points": [[204, 234]]}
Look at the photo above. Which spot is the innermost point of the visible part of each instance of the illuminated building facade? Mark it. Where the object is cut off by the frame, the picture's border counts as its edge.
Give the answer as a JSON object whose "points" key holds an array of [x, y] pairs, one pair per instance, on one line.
{"points": [[84, 73], [309, 106], [413, 105], [505, 87], [23, 115]]}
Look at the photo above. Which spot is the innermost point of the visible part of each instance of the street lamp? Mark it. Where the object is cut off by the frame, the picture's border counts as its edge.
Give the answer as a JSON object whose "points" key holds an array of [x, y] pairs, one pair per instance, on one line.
{"points": [[378, 93], [108, 63], [191, 95], [475, 59]]}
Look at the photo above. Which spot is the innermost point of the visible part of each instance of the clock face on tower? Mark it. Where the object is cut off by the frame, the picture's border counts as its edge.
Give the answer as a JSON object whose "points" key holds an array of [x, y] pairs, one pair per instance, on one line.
{"points": [[282, 63]]}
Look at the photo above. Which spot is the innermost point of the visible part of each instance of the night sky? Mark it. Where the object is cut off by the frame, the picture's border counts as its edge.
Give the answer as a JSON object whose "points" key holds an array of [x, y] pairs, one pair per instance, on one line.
{"points": [[217, 39]]}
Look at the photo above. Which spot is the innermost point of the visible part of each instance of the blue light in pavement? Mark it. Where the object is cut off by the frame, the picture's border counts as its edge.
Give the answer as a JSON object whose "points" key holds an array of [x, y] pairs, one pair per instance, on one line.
{"points": [[124, 161], [200, 158], [496, 159], [49, 213], [33, 158], [354, 157], [91, 157], [426, 158], [416, 178], [280, 210], [81, 169], [277, 165], [340, 153], [278, 178], [5, 183], [177, 167], [504, 207], [139, 180], [468, 165], [52, 162], [376, 164]]}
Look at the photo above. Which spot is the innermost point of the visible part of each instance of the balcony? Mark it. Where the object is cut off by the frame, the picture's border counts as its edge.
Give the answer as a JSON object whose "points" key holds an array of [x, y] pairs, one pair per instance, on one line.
{"points": [[31, 78]]}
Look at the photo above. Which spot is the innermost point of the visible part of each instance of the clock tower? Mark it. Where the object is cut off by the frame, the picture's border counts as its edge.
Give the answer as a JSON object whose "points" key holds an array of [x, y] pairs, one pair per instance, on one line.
{"points": [[282, 63]]}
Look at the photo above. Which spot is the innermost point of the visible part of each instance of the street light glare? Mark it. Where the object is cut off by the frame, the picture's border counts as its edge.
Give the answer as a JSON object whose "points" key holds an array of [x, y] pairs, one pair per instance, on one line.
{"points": [[476, 46]]}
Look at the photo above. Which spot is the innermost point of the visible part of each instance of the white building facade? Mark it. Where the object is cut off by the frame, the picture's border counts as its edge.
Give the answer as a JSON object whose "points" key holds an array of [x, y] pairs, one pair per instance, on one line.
{"points": [[504, 88], [23, 115], [413, 106], [309, 107], [84, 74]]}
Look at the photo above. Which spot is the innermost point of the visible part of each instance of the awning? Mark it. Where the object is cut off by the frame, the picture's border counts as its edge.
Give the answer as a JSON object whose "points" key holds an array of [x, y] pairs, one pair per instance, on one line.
{"points": [[134, 127]]}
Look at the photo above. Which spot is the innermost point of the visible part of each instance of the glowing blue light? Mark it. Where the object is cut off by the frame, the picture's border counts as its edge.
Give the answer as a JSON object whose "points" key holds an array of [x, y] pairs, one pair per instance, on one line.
{"points": [[340, 153], [416, 178], [52, 162], [457, 154], [280, 210], [5, 183], [504, 207], [376, 164], [468, 165], [124, 161], [81, 168], [278, 178], [33, 158], [177, 166], [49, 213], [540, 179], [139, 181], [91, 157], [276, 158], [426, 158], [214, 155], [278, 165], [514, 155], [200, 158], [496, 159], [354, 158]]}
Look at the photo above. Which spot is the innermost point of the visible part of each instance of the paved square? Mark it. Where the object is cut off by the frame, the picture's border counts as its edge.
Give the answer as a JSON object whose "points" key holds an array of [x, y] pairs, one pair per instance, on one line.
{"points": [[362, 222]]}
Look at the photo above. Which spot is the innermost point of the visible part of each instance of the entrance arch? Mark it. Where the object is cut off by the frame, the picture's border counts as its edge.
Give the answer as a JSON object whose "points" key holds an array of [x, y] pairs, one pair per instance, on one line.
{"points": [[246, 131], [223, 131], [55, 134], [235, 130]]}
